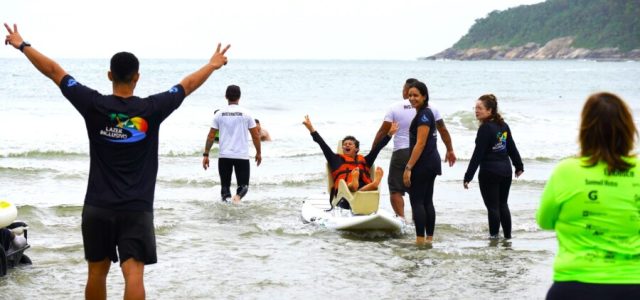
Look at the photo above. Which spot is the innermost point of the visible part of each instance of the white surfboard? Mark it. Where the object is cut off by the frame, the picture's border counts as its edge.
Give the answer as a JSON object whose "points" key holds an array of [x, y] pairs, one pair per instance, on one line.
{"points": [[315, 211]]}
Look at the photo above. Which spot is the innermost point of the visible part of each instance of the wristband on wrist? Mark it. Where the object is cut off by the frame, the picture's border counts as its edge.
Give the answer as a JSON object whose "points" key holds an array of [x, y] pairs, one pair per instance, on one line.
{"points": [[205, 154], [24, 44]]}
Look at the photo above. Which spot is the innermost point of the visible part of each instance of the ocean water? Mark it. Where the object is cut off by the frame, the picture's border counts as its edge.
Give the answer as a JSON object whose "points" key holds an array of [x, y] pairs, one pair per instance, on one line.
{"points": [[260, 249]]}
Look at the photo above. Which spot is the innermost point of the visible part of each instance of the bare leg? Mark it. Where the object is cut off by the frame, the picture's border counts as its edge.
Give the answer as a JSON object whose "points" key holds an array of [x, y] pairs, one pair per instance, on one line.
{"points": [[133, 272], [376, 182], [97, 280], [397, 202], [355, 180]]}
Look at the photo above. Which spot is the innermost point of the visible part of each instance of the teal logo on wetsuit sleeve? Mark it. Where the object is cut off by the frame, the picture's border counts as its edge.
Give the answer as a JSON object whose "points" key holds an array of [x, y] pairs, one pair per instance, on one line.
{"points": [[173, 90], [72, 82], [424, 118]]}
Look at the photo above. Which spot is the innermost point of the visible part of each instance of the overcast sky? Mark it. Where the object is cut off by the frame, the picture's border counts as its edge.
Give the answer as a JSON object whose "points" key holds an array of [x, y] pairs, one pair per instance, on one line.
{"points": [[256, 29]]}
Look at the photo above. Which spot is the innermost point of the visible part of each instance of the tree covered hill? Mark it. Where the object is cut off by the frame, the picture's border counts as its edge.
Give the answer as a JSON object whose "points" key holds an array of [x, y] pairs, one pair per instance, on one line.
{"points": [[592, 24]]}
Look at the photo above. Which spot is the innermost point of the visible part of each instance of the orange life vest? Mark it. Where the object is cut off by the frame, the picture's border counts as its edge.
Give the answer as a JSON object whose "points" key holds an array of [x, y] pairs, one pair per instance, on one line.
{"points": [[349, 165]]}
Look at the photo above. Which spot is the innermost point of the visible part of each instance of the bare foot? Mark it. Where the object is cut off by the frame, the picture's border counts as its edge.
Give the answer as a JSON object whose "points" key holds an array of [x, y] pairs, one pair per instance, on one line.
{"points": [[355, 180], [379, 174], [235, 199], [422, 241]]}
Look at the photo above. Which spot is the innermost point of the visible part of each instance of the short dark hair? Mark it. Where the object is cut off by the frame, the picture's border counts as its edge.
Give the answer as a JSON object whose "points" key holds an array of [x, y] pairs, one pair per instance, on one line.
{"points": [[257, 121], [233, 93], [351, 138], [124, 66]]}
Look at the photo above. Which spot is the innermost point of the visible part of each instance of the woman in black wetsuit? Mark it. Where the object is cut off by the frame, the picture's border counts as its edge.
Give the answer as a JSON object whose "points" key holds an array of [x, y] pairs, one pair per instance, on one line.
{"points": [[494, 147], [423, 165]]}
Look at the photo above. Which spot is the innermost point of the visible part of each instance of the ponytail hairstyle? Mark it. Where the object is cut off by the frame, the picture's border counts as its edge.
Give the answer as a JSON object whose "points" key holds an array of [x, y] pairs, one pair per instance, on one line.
{"points": [[607, 131], [422, 88], [491, 102]]}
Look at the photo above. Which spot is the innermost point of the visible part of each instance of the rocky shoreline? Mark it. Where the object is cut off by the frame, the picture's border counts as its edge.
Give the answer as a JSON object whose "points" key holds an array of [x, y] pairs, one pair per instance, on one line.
{"points": [[559, 48]]}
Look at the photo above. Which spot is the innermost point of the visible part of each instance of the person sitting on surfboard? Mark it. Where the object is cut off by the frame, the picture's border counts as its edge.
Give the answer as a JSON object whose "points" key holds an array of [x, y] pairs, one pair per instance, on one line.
{"points": [[351, 166]]}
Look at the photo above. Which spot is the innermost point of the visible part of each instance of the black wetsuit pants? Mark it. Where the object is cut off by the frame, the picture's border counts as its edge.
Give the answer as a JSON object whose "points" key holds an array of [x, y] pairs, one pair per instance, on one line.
{"points": [[226, 166], [571, 290], [495, 193], [421, 197]]}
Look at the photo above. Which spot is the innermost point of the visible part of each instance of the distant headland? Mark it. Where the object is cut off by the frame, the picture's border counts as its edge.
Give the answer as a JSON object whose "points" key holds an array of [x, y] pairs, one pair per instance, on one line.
{"points": [[554, 29]]}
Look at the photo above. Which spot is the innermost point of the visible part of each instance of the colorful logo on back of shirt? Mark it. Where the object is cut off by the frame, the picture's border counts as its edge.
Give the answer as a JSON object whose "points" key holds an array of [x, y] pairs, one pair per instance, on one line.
{"points": [[124, 129], [501, 145]]}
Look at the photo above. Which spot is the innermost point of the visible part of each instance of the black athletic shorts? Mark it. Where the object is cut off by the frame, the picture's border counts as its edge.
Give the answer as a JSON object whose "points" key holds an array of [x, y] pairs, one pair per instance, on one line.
{"points": [[131, 232], [398, 162]]}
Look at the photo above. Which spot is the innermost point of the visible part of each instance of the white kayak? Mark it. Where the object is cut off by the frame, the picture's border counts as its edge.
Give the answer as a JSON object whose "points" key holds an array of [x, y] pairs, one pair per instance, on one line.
{"points": [[315, 211]]}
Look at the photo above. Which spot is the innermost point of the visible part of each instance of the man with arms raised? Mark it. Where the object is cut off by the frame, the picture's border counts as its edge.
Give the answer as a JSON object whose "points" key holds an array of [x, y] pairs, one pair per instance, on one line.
{"points": [[123, 146]]}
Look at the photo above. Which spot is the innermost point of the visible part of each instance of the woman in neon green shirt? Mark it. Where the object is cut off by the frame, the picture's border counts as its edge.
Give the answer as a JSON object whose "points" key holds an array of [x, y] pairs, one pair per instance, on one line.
{"points": [[593, 204]]}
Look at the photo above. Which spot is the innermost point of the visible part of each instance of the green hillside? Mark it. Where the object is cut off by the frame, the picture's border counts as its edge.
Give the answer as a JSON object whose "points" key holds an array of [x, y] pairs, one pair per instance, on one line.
{"points": [[594, 24]]}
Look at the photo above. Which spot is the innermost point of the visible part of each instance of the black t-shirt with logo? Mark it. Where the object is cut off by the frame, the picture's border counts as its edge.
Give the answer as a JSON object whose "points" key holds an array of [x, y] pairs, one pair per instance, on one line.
{"points": [[123, 143], [429, 160]]}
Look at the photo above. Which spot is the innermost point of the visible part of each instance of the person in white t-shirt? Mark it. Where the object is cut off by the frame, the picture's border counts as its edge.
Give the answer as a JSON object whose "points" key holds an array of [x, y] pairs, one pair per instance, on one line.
{"points": [[234, 123], [402, 113]]}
